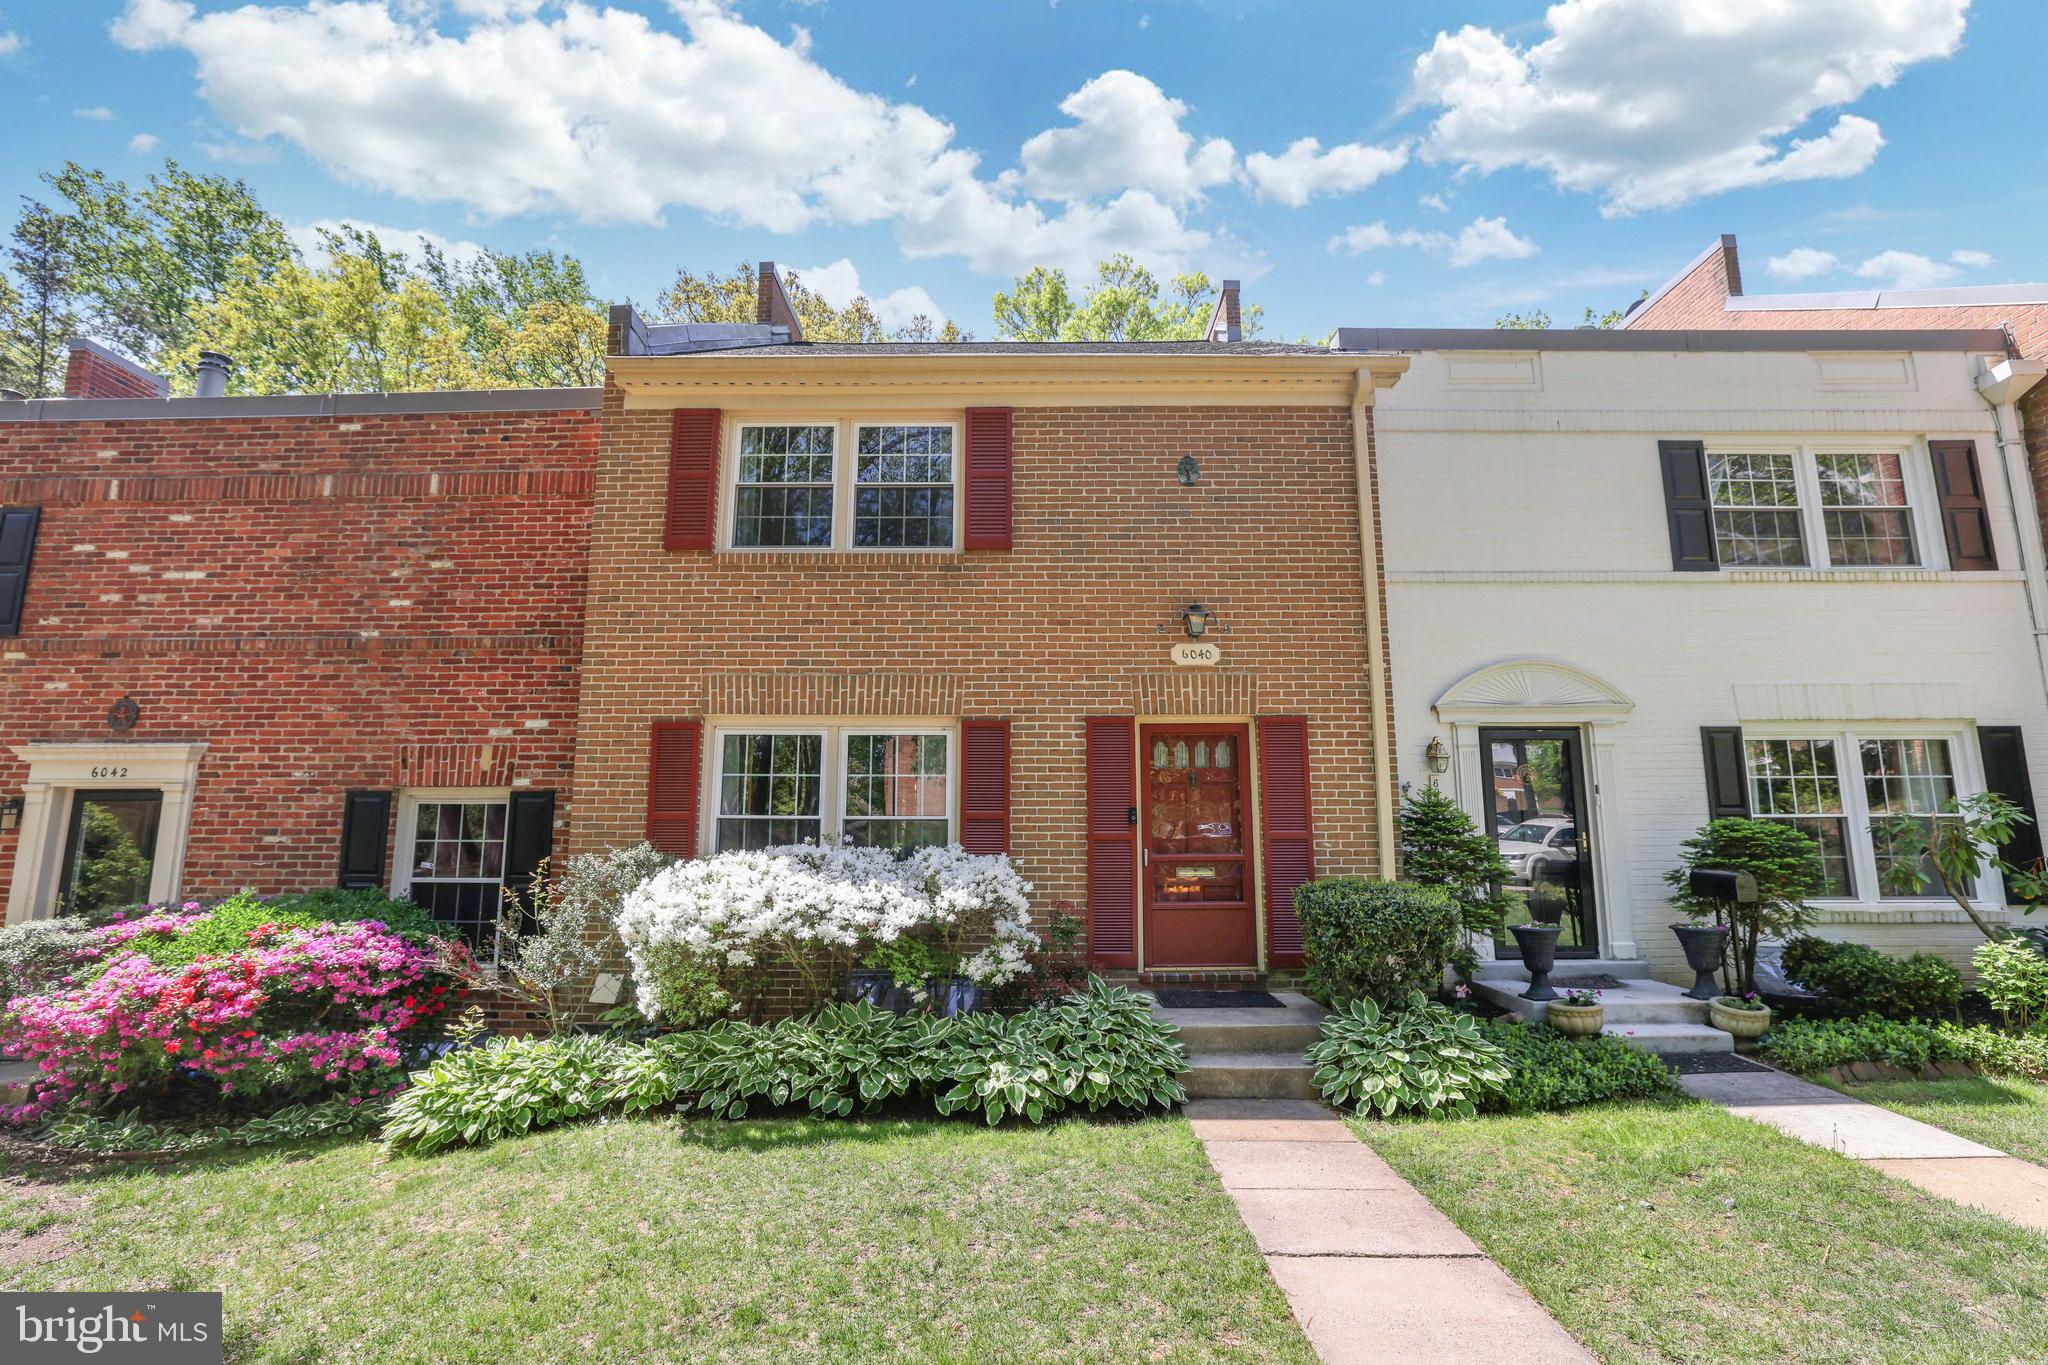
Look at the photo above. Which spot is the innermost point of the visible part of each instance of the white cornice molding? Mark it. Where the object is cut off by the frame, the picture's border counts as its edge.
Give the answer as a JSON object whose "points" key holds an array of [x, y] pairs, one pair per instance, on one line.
{"points": [[1537, 421]]}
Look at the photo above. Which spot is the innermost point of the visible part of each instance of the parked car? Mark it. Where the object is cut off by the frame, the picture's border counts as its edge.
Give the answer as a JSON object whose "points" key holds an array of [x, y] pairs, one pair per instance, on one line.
{"points": [[1544, 841]]}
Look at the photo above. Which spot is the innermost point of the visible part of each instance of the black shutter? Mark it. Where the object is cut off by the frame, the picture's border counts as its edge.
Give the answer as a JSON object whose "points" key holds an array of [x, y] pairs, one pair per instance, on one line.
{"points": [[529, 839], [17, 548], [1965, 522], [1727, 779], [2005, 772], [1688, 505], [365, 818]]}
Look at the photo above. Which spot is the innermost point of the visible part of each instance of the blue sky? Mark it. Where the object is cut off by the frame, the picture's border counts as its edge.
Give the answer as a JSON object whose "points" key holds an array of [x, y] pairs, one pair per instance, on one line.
{"points": [[1468, 157]]}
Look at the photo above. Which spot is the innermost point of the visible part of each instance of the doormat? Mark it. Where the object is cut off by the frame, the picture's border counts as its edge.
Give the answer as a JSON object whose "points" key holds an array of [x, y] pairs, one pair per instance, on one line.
{"points": [[1708, 1063], [1599, 981], [1219, 1000]]}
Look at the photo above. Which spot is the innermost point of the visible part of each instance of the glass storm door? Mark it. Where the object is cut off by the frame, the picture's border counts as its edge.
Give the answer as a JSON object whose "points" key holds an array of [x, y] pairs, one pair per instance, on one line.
{"points": [[1536, 808], [110, 851], [1195, 850]]}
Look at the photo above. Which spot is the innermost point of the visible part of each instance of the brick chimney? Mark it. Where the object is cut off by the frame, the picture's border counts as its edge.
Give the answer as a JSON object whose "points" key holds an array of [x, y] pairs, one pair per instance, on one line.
{"points": [[771, 303], [1225, 323], [95, 371]]}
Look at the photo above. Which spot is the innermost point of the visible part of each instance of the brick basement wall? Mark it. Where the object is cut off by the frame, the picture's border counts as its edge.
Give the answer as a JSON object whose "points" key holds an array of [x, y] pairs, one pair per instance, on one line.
{"points": [[327, 602], [1109, 548]]}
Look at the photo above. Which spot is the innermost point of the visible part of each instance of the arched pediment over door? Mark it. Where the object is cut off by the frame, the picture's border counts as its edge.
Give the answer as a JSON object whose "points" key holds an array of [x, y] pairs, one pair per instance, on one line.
{"points": [[1532, 691]]}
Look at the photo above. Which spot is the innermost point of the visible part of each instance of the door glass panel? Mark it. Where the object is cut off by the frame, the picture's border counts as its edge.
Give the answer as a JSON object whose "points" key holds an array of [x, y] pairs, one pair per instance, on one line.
{"points": [[1538, 812], [1195, 849], [111, 850]]}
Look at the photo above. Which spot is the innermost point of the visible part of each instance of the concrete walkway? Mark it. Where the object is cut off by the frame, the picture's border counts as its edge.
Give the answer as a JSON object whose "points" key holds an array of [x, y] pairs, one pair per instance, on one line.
{"points": [[1372, 1270], [1935, 1159]]}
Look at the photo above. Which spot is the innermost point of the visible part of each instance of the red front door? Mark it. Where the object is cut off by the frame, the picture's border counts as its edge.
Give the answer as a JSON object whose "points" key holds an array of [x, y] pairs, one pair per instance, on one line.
{"points": [[1196, 847]]}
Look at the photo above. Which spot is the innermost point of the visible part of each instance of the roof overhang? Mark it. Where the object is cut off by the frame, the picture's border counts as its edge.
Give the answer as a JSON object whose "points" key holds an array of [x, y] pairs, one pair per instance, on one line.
{"points": [[866, 382]]}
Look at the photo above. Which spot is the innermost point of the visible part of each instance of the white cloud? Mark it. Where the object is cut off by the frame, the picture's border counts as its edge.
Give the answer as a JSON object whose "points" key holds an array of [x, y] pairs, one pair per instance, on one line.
{"points": [[1436, 202], [598, 113], [1802, 263], [1305, 169], [1481, 240], [240, 153], [1652, 104], [1911, 270], [10, 42], [499, 10], [1376, 278], [1974, 260], [1126, 136], [839, 283], [98, 113], [142, 144], [306, 236]]}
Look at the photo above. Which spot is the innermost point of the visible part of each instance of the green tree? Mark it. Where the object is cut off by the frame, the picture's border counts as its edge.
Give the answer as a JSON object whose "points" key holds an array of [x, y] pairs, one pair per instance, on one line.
{"points": [[1955, 849], [732, 298], [1441, 846], [1537, 320], [527, 320], [1787, 866], [1126, 303], [44, 314]]}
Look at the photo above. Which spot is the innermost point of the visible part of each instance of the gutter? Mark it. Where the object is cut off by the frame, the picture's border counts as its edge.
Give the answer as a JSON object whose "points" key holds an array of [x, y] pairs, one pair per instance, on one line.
{"points": [[2002, 385], [1385, 792]]}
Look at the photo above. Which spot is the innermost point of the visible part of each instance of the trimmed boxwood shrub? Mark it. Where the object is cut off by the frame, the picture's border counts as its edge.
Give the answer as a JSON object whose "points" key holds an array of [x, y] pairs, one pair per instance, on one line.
{"points": [[1855, 980], [1372, 940], [1547, 1070]]}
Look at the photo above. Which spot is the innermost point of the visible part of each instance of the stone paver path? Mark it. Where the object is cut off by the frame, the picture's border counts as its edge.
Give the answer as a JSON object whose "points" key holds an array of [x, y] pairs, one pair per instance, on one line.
{"points": [[1933, 1158], [1372, 1270]]}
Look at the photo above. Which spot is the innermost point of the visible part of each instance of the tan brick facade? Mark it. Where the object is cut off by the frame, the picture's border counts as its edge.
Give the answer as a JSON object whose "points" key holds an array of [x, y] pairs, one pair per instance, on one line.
{"points": [[1075, 621]]}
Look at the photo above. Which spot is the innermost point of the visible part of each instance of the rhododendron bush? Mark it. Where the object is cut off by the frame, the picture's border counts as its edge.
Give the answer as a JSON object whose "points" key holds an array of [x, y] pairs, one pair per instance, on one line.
{"points": [[297, 1009], [811, 907]]}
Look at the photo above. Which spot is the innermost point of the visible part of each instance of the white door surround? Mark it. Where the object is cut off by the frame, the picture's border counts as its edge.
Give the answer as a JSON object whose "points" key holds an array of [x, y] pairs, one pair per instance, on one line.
{"points": [[56, 772], [1547, 692]]}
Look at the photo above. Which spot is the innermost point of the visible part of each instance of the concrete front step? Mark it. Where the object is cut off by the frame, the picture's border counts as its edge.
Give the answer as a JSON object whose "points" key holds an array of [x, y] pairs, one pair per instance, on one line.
{"points": [[1672, 1037], [1248, 1075], [1290, 1030], [1622, 968], [1639, 1002]]}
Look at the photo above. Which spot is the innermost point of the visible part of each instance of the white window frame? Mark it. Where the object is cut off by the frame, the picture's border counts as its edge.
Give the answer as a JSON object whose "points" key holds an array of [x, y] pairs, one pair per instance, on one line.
{"points": [[1922, 500], [845, 453], [1862, 848], [834, 735], [410, 799], [57, 772]]}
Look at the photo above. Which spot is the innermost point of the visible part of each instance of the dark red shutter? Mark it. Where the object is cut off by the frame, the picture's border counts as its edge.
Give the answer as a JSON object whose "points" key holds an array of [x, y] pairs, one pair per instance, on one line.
{"points": [[988, 479], [673, 765], [985, 786], [692, 480], [1289, 834], [1112, 841], [1964, 521]]}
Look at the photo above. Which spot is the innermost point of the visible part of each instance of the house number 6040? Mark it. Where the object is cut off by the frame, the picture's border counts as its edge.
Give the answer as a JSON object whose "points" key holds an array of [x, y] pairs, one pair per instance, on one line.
{"points": [[110, 772]]}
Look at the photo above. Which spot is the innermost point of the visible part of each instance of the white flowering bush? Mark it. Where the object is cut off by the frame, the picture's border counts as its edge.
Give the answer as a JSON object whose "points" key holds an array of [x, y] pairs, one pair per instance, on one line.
{"points": [[812, 907]]}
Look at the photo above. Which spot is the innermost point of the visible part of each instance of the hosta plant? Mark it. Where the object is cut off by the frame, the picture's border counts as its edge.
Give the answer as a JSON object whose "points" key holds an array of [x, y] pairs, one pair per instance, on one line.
{"points": [[1423, 1059], [841, 1058], [507, 1086]]}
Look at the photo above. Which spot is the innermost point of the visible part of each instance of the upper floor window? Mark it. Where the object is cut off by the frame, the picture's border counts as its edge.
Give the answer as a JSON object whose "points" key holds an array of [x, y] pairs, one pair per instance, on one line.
{"points": [[1824, 509], [792, 486]]}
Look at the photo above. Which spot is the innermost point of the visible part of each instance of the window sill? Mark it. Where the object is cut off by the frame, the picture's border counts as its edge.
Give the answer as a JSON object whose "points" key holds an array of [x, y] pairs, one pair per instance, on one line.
{"points": [[771, 558], [1904, 912]]}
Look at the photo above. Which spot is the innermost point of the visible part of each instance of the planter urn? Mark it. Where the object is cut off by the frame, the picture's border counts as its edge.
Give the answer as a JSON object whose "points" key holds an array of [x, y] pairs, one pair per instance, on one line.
{"points": [[1704, 945], [1539, 955], [1743, 1024], [1580, 1021]]}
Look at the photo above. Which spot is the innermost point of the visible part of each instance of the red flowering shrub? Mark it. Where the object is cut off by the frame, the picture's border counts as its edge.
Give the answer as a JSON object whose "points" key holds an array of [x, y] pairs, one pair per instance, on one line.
{"points": [[299, 1010]]}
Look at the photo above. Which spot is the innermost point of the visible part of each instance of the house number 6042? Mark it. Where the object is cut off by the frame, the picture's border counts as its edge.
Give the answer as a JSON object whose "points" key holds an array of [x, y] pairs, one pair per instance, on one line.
{"points": [[110, 772]]}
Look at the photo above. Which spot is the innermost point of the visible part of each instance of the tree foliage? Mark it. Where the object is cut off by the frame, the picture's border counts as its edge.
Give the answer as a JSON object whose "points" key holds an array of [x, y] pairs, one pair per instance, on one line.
{"points": [[1787, 866], [41, 308], [1126, 303], [1955, 850], [712, 297]]}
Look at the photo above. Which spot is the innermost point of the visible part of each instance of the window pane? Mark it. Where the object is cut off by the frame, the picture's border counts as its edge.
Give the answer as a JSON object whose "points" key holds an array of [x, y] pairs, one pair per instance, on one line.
{"points": [[458, 866], [112, 850], [1910, 777], [903, 496], [769, 787], [1756, 510], [889, 780], [783, 491], [1868, 520], [1798, 781]]}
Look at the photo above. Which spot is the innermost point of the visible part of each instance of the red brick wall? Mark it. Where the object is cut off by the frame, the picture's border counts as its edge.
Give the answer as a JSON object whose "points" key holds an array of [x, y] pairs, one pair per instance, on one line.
{"points": [[309, 596], [1109, 547], [87, 374]]}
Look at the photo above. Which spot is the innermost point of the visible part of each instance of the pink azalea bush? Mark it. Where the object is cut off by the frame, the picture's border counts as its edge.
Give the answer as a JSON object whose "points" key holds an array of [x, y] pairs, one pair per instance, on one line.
{"points": [[298, 1010]]}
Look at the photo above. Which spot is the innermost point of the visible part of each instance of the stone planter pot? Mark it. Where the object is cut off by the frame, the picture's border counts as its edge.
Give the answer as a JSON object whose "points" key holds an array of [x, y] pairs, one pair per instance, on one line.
{"points": [[1704, 945], [1580, 1021], [1539, 954], [1741, 1023]]}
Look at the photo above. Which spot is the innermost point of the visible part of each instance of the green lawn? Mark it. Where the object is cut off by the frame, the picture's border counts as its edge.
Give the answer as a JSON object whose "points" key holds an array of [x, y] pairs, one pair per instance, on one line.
{"points": [[2011, 1115], [1678, 1232], [658, 1240]]}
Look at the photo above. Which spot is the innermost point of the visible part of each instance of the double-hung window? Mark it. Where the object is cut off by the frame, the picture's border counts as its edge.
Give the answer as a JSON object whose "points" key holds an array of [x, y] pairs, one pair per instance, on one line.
{"points": [[451, 858], [881, 784], [1834, 785], [1799, 507], [852, 485]]}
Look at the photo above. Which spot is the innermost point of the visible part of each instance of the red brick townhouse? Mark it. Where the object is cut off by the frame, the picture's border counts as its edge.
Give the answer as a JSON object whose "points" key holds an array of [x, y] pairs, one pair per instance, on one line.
{"points": [[1114, 608], [282, 643]]}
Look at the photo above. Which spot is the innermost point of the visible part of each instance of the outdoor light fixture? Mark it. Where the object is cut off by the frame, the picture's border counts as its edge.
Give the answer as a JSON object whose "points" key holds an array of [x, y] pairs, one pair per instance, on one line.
{"points": [[1439, 757], [1196, 618], [10, 813]]}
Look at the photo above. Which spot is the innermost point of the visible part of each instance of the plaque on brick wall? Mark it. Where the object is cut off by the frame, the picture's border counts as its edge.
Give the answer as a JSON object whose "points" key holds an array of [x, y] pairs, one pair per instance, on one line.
{"points": [[1195, 654]]}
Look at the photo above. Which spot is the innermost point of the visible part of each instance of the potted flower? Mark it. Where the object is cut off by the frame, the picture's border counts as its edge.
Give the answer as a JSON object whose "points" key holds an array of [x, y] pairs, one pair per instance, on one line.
{"points": [[1578, 1012], [1745, 1016]]}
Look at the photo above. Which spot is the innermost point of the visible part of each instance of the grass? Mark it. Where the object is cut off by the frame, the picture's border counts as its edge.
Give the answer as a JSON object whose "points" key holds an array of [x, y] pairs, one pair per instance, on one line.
{"points": [[659, 1240], [2009, 1114], [1675, 1231]]}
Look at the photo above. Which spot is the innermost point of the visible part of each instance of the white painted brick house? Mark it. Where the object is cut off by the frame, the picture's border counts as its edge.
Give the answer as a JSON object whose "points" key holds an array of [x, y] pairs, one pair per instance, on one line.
{"points": [[1638, 578]]}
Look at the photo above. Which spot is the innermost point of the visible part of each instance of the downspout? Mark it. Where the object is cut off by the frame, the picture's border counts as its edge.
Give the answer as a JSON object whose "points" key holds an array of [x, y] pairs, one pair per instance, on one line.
{"points": [[2002, 385], [1375, 647]]}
